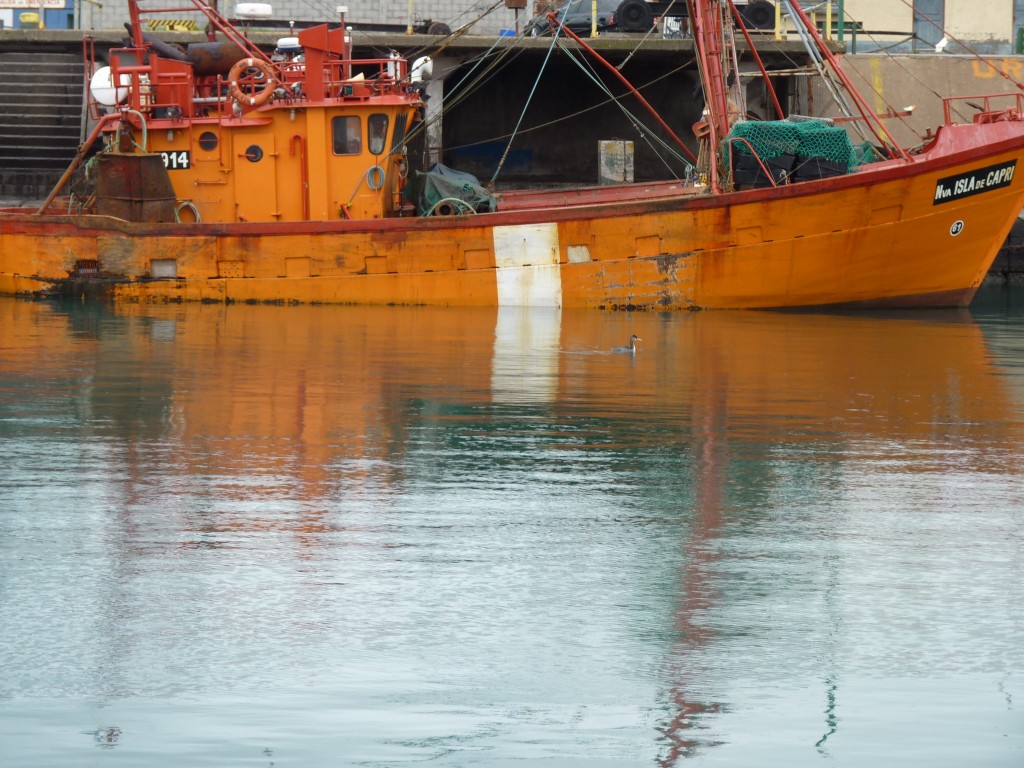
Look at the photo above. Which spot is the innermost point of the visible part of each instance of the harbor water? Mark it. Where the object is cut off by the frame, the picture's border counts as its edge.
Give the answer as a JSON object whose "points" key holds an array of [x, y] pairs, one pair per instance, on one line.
{"points": [[336, 536]]}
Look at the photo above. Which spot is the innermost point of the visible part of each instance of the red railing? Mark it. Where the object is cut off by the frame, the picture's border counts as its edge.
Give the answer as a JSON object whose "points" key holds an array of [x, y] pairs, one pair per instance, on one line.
{"points": [[988, 108]]}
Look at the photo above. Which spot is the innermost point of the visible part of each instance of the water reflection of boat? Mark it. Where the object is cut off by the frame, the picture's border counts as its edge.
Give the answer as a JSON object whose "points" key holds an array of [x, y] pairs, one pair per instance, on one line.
{"points": [[843, 379], [827, 393], [351, 381], [262, 418], [226, 176]]}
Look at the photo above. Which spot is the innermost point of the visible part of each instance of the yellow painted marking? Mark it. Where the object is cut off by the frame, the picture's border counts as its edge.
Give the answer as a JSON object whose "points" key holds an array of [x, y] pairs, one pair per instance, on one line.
{"points": [[878, 85]]}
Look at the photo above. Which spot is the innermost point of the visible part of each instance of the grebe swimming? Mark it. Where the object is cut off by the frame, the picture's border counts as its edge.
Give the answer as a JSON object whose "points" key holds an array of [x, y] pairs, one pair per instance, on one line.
{"points": [[631, 349]]}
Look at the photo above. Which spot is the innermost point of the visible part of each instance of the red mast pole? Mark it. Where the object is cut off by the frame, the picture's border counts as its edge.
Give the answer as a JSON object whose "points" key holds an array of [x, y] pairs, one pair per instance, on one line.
{"points": [[757, 57], [873, 123], [553, 19], [708, 35]]}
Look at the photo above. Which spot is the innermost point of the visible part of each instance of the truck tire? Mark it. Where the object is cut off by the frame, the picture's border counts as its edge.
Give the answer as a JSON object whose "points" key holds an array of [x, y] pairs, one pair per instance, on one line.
{"points": [[634, 16], [759, 14]]}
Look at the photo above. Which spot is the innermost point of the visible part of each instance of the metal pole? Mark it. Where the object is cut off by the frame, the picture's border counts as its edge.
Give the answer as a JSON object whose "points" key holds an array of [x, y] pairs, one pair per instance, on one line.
{"points": [[842, 20], [82, 151]]}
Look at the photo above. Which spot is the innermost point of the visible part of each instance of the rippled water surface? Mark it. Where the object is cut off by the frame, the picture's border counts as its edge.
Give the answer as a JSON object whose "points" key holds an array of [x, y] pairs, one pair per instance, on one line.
{"points": [[320, 536]]}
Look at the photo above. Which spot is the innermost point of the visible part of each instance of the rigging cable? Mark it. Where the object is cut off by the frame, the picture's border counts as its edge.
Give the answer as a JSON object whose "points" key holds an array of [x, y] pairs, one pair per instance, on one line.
{"points": [[533, 90], [636, 94], [822, 69], [642, 130], [829, 72], [738, 21], [961, 43], [578, 113], [455, 97], [643, 39], [863, 107], [896, 61]]}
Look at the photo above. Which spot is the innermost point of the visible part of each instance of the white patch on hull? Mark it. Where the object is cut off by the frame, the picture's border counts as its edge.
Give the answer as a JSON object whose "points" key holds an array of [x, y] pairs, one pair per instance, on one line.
{"points": [[526, 257], [578, 254]]}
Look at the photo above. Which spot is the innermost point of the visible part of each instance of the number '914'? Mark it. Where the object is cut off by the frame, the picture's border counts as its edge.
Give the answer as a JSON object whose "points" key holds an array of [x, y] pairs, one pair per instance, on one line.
{"points": [[176, 161]]}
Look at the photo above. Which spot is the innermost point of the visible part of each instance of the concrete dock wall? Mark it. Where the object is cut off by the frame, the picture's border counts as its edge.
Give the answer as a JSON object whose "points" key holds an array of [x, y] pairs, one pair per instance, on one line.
{"points": [[921, 81], [396, 13]]}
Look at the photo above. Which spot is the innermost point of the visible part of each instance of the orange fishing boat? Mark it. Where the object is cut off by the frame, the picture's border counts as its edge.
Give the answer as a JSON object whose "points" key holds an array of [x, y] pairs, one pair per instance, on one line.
{"points": [[226, 174]]}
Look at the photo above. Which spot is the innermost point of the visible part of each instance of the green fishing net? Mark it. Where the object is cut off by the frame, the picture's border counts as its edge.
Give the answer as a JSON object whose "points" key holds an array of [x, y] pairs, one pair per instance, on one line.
{"points": [[803, 138], [442, 190]]}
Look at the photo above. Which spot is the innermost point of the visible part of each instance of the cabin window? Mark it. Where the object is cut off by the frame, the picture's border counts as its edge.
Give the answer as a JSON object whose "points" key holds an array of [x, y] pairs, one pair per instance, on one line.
{"points": [[376, 132], [348, 135]]}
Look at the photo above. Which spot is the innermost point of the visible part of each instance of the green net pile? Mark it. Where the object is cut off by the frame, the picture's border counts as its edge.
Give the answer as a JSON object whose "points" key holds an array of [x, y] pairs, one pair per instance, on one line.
{"points": [[807, 138], [441, 183]]}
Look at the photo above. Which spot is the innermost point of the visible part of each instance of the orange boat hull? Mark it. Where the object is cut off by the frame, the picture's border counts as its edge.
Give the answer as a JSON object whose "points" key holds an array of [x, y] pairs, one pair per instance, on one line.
{"points": [[880, 237]]}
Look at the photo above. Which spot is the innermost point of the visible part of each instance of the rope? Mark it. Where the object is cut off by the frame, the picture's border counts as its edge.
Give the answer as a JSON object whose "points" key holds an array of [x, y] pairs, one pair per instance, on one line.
{"points": [[455, 95], [642, 130], [961, 43], [375, 177], [190, 206], [643, 40], [576, 115], [373, 169], [533, 90], [145, 133]]}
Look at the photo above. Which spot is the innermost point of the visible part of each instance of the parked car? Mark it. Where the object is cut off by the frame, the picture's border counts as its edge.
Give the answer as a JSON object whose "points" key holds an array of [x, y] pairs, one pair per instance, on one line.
{"points": [[575, 15], [639, 15]]}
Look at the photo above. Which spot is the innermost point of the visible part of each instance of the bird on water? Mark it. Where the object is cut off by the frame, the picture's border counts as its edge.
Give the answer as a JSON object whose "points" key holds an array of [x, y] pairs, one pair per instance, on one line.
{"points": [[631, 349]]}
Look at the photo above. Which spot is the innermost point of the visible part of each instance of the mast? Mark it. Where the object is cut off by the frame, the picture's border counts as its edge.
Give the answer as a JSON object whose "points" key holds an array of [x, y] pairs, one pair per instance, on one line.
{"points": [[868, 115], [710, 36]]}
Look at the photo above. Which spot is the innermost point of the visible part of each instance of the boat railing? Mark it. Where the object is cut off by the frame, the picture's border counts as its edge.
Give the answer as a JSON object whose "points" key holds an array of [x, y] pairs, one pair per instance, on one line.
{"points": [[989, 108], [168, 88], [827, 16], [764, 168], [141, 16], [358, 78], [156, 85]]}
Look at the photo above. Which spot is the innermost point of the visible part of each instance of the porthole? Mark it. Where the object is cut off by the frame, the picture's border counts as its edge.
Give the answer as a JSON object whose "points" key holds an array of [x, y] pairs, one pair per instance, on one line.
{"points": [[208, 140], [253, 153]]}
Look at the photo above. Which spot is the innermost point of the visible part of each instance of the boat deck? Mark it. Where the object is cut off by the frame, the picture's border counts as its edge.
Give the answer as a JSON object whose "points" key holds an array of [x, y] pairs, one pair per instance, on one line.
{"points": [[527, 199]]}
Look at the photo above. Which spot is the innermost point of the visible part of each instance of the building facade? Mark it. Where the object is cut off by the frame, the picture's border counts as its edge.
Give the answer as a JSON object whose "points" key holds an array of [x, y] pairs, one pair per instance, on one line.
{"points": [[399, 14], [990, 26]]}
